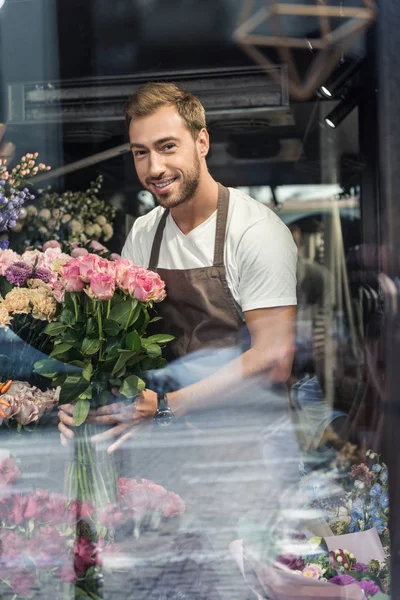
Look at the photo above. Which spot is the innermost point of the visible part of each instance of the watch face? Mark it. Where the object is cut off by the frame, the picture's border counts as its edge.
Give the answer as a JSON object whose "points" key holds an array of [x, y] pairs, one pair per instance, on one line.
{"points": [[163, 417]]}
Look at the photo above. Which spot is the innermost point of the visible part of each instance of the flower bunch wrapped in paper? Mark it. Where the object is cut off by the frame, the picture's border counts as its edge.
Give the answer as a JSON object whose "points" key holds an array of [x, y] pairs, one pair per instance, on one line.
{"points": [[100, 332], [349, 557], [47, 541]]}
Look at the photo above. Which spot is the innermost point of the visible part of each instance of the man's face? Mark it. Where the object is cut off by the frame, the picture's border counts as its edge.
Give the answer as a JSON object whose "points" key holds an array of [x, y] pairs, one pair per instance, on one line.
{"points": [[167, 158]]}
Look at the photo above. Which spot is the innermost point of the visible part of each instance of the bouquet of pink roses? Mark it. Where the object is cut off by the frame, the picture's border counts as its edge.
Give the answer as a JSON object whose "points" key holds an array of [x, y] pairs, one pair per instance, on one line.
{"points": [[100, 332]]}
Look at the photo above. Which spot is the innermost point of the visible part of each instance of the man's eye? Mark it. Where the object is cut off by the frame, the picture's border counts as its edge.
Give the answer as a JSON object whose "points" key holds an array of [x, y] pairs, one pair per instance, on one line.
{"points": [[169, 147], [139, 153]]}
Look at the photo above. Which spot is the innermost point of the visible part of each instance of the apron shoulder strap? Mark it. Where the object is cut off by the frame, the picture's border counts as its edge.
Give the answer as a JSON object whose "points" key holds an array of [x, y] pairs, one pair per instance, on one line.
{"points": [[155, 249], [222, 218]]}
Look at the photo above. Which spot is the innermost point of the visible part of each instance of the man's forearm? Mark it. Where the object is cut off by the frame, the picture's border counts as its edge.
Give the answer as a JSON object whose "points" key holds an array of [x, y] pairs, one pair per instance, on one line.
{"points": [[227, 383]]}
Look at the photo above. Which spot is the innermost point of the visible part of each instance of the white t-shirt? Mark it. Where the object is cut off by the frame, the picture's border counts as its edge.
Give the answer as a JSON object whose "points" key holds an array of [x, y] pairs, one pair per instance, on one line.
{"points": [[260, 254]]}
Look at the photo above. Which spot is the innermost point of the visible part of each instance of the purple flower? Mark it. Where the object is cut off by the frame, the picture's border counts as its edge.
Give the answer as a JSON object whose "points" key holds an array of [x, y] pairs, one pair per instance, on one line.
{"points": [[43, 274], [291, 561], [18, 273], [358, 566], [369, 587], [342, 580], [4, 244]]}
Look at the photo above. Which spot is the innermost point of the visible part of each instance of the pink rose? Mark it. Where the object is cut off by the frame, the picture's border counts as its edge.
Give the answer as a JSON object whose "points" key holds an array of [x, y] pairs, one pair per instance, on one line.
{"points": [[172, 505], [71, 276], [125, 271], [51, 244], [147, 286], [22, 581], [156, 494], [97, 247], [9, 471], [77, 252], [12, 544], [47, 547], [102, 286], [88, 266], [111, 516], [59, 291], [84, 555], [67, 573], [36, 502], [126, 485]]}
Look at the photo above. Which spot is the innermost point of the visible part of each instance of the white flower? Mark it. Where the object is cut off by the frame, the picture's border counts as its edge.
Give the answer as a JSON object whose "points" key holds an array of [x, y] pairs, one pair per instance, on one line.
{"points": [[108, 232], [31, 211], [89, 230], [101, 220], [45, 214], [97, 230], [76, 227]]}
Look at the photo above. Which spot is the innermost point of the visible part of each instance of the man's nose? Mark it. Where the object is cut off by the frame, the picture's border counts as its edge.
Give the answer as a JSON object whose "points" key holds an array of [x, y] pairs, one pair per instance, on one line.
{"points": [[156, 166]]}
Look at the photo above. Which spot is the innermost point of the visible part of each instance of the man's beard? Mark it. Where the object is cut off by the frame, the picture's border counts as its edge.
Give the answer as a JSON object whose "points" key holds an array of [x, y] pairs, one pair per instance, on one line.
{"points": [[187, 187]]}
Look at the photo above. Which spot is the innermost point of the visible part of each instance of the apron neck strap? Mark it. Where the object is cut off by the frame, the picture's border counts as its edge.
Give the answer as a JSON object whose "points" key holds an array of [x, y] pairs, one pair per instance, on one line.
{"points": [[155, 250], [222, 217]]}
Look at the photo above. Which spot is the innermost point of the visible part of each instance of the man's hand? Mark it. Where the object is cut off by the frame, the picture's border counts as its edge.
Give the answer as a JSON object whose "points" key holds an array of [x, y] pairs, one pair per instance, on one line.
{"points": [[121, 418]]}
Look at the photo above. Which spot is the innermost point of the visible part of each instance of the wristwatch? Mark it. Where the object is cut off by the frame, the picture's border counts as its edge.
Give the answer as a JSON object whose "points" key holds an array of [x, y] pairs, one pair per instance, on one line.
{"points": [[164, 414]]}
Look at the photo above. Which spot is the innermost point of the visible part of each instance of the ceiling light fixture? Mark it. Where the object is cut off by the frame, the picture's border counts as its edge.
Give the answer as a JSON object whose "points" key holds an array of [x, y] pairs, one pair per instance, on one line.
{"points": [[339, 78], [342, 110]]}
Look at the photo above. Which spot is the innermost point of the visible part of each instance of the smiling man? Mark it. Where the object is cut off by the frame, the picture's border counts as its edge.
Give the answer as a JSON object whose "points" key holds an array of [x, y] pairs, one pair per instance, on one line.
{"points": [[229, 263]]}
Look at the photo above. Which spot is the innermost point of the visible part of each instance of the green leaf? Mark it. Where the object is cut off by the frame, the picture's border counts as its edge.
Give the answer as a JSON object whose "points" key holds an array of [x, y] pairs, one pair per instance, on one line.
{"points": [[132, 341], [132, 386], [73, 387], [112, 347], [67, 317], [87, 371], [115, 382], [31, 525], [161, 338], [87, 394], [123, 313], [60, 349], [155, 319], [135, 359], [71, 337], [153, 349], [47, 368], [90, 346], [91, 327], [81, 411], [80, 593], [54, 329], [123, 358], [111, 327], [104, 398]]}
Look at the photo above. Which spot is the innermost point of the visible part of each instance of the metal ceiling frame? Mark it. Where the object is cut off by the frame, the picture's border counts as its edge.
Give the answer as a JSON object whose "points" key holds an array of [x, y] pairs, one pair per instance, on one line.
{"points": [[330, 46]]}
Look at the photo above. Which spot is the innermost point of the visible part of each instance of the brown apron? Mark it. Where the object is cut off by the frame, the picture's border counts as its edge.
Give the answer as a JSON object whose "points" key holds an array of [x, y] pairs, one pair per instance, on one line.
{"points": [[199, 309]]}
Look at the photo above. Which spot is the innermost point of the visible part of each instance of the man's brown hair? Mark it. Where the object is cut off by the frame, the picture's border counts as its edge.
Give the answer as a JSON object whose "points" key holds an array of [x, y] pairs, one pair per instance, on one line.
{"points": [[154, 95]]}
